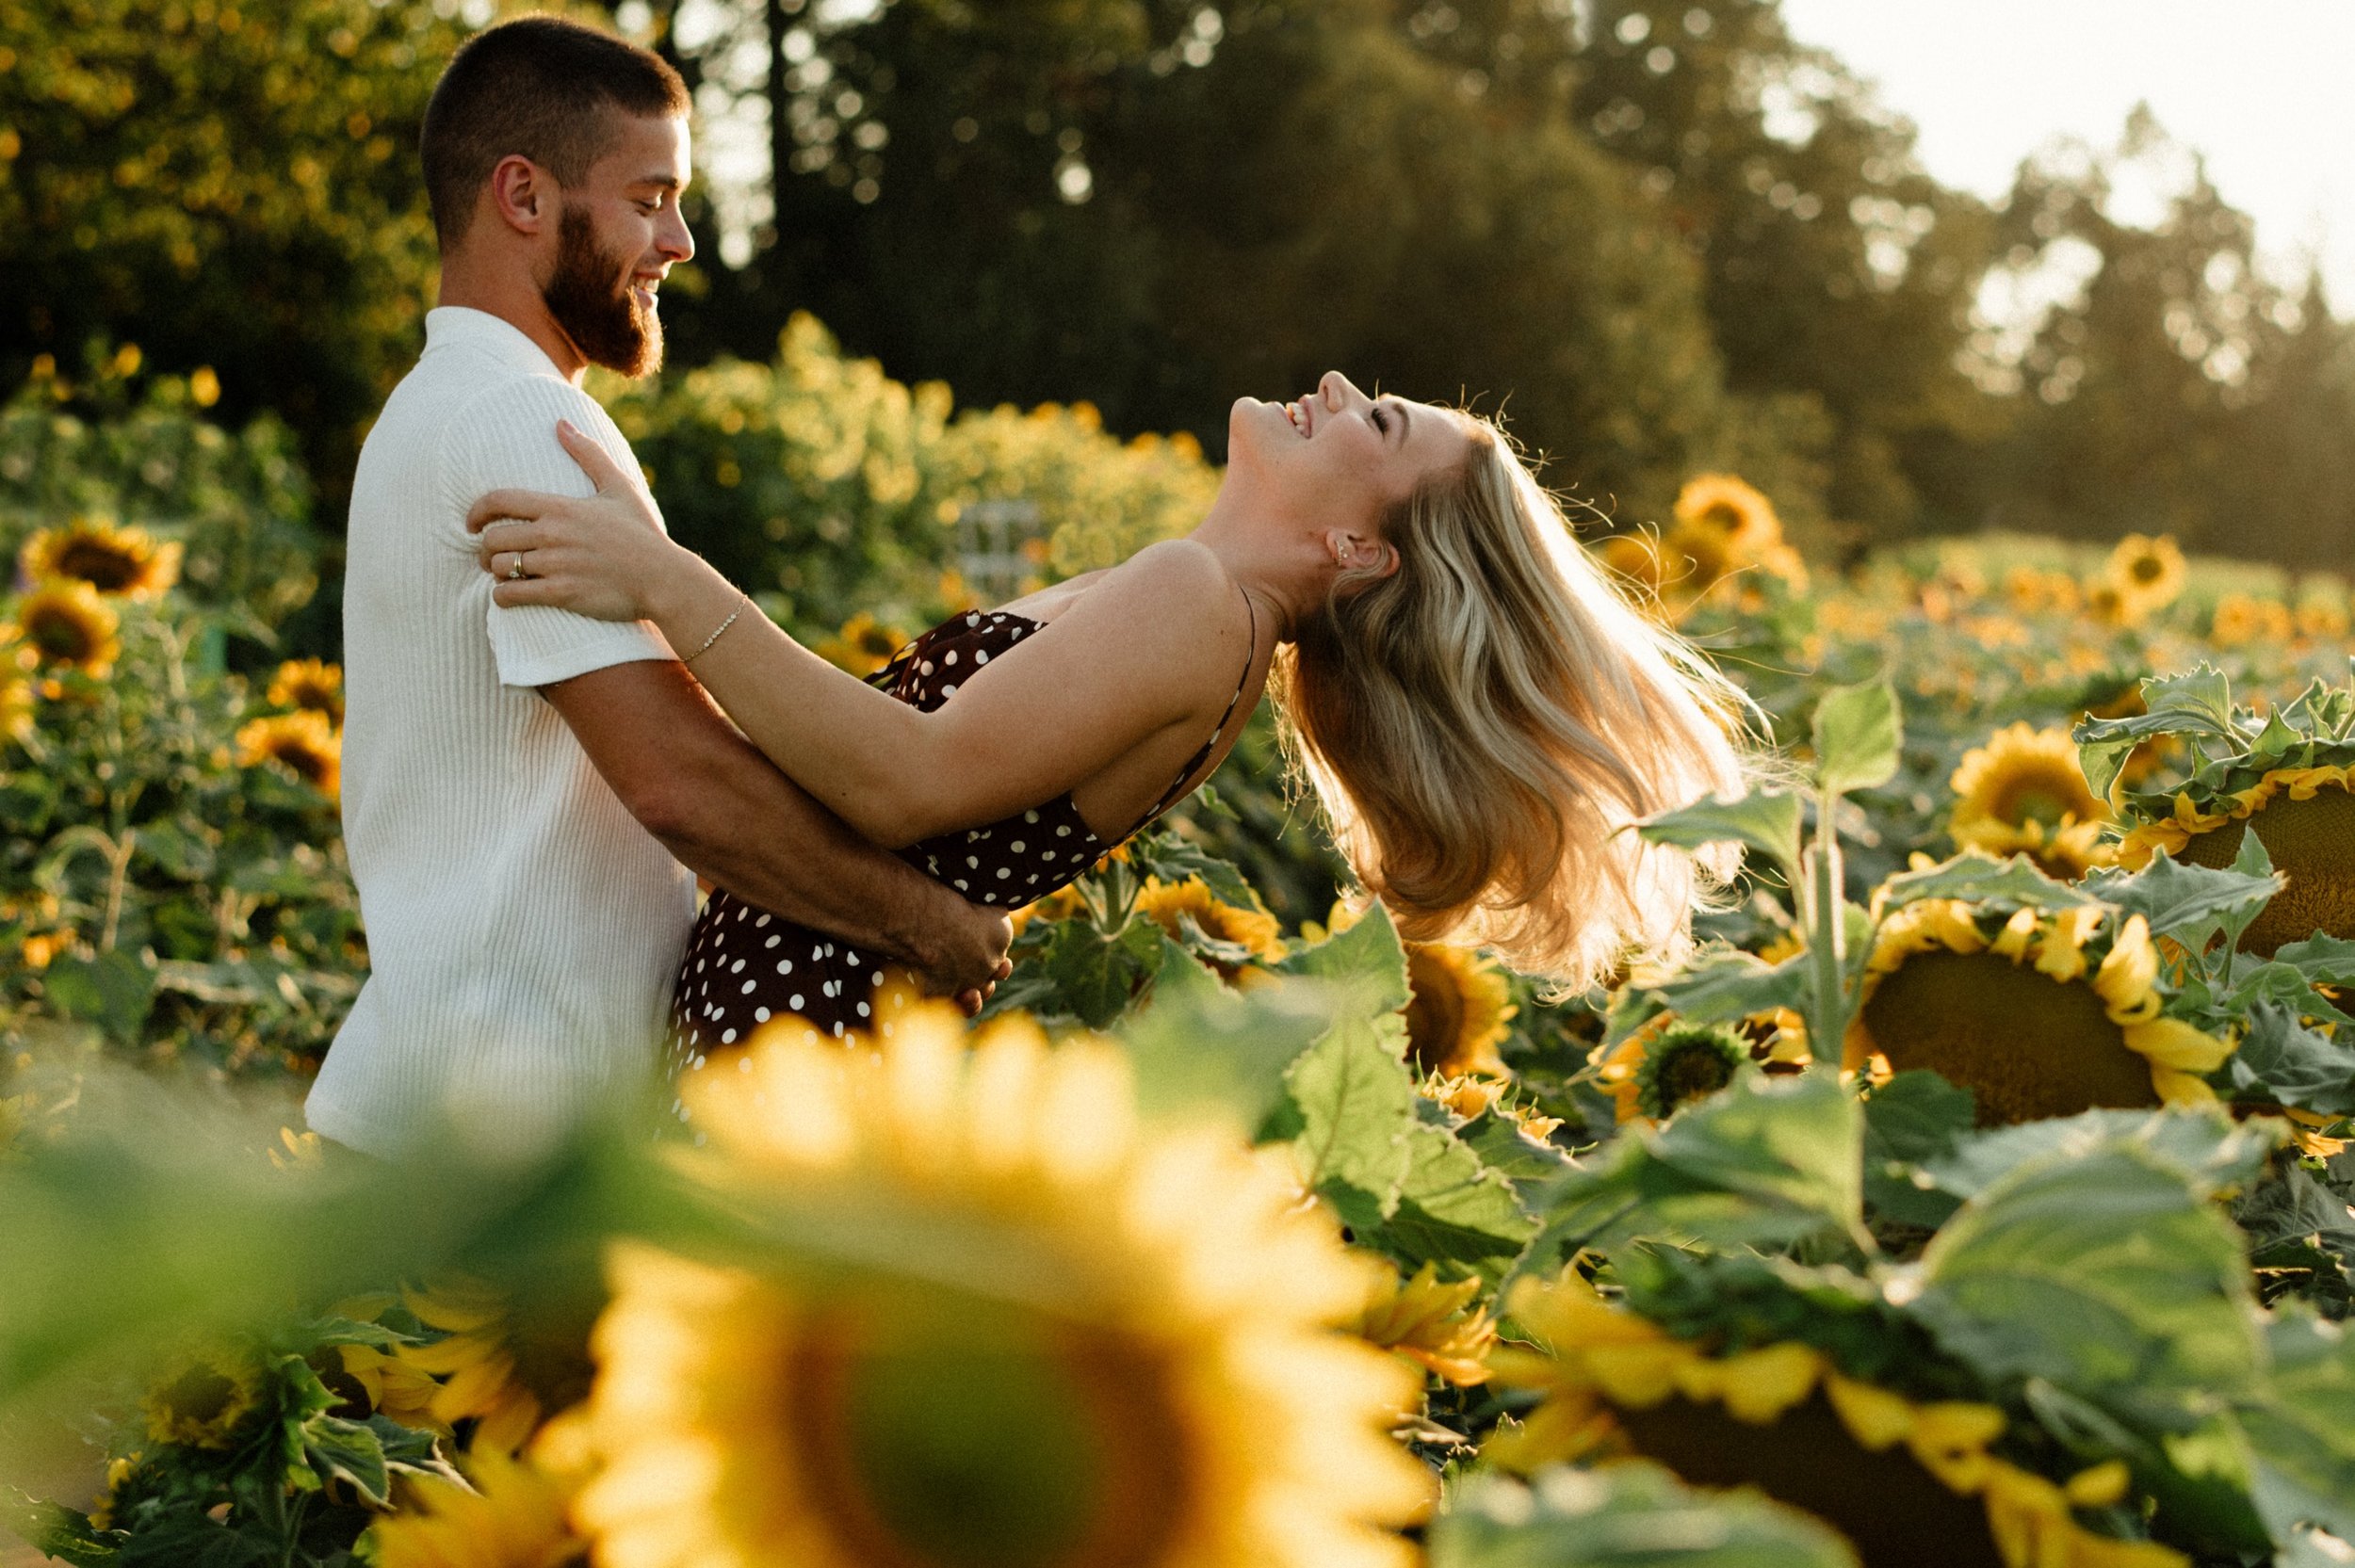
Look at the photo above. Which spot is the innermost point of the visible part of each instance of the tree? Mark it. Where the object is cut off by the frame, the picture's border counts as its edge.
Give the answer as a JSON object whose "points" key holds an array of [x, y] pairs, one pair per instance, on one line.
{"points": [[1159, 206], [2180, 390], [226, 183]]}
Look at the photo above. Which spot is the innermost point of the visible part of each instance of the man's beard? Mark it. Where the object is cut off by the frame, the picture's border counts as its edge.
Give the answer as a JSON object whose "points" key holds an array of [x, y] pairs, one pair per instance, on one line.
{"points": [[601, 316]]}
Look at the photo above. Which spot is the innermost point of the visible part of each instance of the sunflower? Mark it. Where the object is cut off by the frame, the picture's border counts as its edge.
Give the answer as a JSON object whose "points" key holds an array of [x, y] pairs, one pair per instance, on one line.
{"points": [[2033, 591], [111, 560], [1635, 558], [502, 1366], [1432, 1323], [513, 1516], [1732, 509], [2322, 618], [1684, 1063], [2036, 1015], [303, 743], [2025, 793], [1459, 1008], [1166, 1383], [862, 646], [1167, 904], [2304, 817], [312, 685], [2242, 618], [1469, 1096], [16, 708], [204, 1398], [1905, 1481], [2149, 573], [68, 624]]}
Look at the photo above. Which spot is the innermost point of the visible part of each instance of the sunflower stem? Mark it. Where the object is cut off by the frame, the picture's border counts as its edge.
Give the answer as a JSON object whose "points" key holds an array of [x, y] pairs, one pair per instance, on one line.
{"points": [[1826, 937]]}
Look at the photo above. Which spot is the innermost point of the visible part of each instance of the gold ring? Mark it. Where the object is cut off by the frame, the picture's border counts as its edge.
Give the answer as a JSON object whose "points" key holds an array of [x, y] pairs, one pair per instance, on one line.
{"points": [[515, 567]]}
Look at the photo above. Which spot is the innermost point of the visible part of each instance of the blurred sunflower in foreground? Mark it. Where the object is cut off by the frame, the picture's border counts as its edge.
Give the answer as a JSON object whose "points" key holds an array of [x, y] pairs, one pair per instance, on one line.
{"points": [[515, 1516], [2025, 793], [1154, 1375], [303, 743], [67, 624], [113, 559]]}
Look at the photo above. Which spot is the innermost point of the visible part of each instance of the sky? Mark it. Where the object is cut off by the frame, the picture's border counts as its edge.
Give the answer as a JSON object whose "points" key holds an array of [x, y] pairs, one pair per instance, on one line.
{"points": [[2258, 86]]}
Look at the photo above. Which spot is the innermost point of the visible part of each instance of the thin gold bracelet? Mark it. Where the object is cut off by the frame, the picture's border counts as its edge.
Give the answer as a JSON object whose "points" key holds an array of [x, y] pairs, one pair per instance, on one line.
{"points": [[743, 599]]}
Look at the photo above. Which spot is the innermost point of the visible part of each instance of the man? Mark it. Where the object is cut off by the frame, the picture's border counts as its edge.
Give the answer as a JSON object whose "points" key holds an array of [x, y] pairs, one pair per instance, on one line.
{"points": [[528, 794]]}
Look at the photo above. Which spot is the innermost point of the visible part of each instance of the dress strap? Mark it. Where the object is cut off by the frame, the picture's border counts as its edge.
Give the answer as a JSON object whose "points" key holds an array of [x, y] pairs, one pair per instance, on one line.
{"points": [[1185, 775]]}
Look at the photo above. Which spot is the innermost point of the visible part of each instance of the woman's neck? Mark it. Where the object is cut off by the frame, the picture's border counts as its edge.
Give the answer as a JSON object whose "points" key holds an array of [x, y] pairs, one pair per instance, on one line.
{"points": [[1284, 580]]}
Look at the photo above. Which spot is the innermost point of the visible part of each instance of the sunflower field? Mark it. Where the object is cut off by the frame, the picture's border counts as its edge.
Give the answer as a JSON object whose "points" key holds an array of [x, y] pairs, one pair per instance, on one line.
{"points": [[1974, 1192]]}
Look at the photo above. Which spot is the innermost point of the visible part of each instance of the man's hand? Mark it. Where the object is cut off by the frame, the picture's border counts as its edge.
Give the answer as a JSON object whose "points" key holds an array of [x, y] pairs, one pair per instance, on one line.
{"points": [[962, 951]]}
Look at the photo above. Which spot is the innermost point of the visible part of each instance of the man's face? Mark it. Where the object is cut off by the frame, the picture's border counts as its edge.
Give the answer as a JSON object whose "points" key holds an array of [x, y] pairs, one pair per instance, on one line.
{"points": [[619, 234]]}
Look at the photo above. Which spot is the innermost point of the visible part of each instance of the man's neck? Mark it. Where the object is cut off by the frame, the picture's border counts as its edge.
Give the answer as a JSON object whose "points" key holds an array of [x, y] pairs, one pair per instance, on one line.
{"points": [[518, 302]]}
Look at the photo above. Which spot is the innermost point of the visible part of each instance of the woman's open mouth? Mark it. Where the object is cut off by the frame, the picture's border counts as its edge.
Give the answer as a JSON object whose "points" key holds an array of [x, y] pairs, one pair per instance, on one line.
{"points": [[1302, 419]]}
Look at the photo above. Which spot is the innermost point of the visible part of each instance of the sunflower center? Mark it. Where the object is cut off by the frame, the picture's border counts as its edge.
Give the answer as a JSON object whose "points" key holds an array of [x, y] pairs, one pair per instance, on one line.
{"points": [[1895, 1513], [1689, 1072], [2042, 798], [1435, 1013], [2026, 1045], [62, 636], [200, 1396], [107, 567], [1724, 517], [1012, 1443], [2313, 845]]}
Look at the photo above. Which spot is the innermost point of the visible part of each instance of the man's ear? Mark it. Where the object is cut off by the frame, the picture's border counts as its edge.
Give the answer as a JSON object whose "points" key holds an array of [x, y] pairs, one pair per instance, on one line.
{"points": [[523, 194]]}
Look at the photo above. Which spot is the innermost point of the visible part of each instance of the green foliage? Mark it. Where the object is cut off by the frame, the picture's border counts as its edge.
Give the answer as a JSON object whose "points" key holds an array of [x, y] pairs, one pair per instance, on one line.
{"points": [[226, 186], [827, 487], [1628, 1516], [2105, 1272]]}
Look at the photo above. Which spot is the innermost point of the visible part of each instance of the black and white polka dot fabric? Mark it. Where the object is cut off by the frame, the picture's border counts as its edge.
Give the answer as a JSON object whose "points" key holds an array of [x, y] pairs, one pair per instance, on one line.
{"points": [[745, 967]]}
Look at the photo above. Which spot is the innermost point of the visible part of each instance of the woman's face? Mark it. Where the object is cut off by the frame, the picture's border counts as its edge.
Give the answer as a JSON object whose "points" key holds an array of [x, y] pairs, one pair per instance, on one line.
{"points": [[1338, 459]]}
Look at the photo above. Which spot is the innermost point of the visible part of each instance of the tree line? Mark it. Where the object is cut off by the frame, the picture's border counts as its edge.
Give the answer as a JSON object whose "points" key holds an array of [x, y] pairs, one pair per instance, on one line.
{"points": [[1661, 238]]}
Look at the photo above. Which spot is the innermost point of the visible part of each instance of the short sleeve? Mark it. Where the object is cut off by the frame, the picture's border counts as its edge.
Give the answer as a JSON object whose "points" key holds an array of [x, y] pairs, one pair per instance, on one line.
{"points": [[505, 439]]}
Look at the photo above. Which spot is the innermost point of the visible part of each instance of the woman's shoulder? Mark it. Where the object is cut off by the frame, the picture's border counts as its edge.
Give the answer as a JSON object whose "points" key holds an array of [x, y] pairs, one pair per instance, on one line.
{"points": [[1178, 573]]}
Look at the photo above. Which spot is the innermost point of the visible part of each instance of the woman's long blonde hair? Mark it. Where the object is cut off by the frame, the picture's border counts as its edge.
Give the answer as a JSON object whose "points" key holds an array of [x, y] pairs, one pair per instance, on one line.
{"points": [[1483, 724]]}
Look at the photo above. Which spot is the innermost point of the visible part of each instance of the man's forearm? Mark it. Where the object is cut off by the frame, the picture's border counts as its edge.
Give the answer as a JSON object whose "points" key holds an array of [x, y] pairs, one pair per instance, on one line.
{"points": [[731, 831], [719, 806]]}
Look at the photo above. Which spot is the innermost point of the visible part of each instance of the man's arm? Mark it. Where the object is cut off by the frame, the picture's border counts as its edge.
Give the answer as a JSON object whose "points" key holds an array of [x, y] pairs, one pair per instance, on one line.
{"points": [[718, 805]]}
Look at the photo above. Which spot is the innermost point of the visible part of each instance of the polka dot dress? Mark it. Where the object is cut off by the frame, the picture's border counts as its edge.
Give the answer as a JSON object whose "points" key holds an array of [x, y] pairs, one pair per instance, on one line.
{"points": [[746, 967]]}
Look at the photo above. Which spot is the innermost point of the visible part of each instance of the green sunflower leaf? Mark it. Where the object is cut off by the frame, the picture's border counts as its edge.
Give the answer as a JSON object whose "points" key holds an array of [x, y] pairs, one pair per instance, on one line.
{"points": [[1767, 820], [2322, 959], [2281, 1059], [1369, 955], [1912, 1119], [2106, 1271], [2300, 1429], [1716, 987], [1349, 1108], [59, 1533], [1767, 1162], [348, 1451], [1452, 1208], [1979, 878], [2175, 898], [1857, 733], [1197, 1042], [1625, 1517]]}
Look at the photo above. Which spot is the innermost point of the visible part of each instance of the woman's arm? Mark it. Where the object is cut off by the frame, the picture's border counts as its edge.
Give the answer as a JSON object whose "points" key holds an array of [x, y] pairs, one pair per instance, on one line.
{"points": [[1152, 646]]}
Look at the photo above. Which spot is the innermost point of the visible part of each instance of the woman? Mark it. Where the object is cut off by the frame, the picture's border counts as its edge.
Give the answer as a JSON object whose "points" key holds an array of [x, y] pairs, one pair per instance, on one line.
{"points": [[1478, 711]]}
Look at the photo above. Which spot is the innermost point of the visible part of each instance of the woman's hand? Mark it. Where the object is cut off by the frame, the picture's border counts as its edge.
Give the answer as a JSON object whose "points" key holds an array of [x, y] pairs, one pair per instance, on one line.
{"points": [[603, 556]]}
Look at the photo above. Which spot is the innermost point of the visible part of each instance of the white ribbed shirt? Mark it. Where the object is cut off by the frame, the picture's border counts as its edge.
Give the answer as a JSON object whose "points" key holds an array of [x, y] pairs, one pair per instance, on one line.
{"points": [[523, 928]]}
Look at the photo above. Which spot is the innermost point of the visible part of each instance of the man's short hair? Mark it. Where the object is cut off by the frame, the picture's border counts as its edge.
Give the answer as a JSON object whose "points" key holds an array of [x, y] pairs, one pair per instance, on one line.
{"points": [[542, 87]]}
